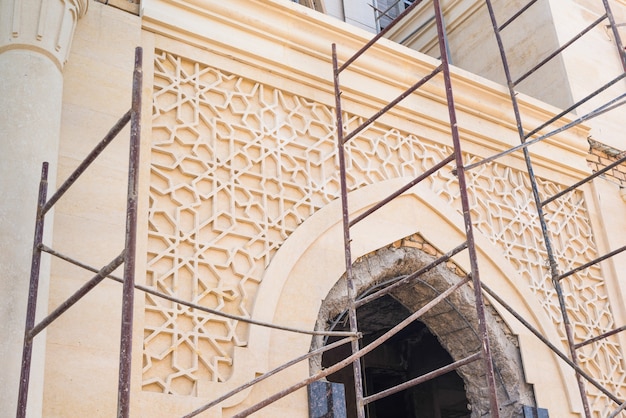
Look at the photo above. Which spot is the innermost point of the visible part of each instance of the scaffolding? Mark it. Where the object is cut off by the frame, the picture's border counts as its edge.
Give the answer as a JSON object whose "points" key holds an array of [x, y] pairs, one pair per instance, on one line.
{"points": [[126, 256], [473, 278], [352, 337]]}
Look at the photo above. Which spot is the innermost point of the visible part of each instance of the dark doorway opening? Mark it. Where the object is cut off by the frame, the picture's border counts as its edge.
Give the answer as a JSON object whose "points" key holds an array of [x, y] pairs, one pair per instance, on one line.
{"points": [[412, 352]]}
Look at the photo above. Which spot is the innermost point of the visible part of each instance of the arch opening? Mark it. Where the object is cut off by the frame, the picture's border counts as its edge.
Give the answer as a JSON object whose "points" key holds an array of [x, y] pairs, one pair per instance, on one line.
{"points": [[412, 352], [450, 326]]}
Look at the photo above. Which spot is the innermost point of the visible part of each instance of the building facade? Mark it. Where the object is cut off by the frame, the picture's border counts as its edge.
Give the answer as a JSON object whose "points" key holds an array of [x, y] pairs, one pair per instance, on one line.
{"points": [[240, 210]]}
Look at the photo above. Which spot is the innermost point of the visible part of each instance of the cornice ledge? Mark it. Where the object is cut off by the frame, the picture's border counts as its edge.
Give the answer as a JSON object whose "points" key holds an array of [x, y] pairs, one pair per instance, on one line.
{"points": [[420, 23], [284, 46]]}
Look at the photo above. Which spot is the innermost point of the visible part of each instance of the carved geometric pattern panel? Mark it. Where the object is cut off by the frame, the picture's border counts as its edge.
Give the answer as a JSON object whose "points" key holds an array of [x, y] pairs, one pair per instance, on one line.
{"points": [[503, 209], [237, 165]]}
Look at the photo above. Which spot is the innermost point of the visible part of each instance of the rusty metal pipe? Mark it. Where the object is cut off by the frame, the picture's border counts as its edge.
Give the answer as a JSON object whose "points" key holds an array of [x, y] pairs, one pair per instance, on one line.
{"points": [[33, 288], [388, 289], [269, 374], [345, 216], [610, 105], [467, 218], [391, 104], [378, 36], [91, 157], [516, 15], [616, 35], [406, 187], [559, 50], [548, 344], [158, 294], [354, 356], [591, 263], [78, 295], [544, 228], [601, 337], [574, 106], [584, 181], [424, 378], [128, 293]]}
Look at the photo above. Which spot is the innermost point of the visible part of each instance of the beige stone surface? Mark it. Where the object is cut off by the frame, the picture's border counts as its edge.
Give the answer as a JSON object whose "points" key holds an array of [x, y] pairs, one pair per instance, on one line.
{"points": [[239, 206], [29, 133], [42, 27], [592, 62], [90, 219], [248, 109], [583, 67], [35, 38], [289, 277]]}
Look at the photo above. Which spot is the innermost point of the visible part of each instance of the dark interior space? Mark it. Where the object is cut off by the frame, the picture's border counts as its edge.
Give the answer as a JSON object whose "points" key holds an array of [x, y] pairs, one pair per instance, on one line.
{"points": [[412, 352]]}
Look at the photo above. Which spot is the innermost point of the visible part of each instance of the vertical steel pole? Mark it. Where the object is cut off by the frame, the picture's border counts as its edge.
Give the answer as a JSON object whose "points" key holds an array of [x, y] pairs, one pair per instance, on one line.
{"points": [[480, 304], [618, 40], [356, 365], [31, 310], [126, 340], [554, 273]]}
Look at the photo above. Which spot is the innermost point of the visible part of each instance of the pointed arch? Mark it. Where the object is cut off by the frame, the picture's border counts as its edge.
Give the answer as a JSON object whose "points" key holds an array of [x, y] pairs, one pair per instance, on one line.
{"points": [[310, 262]]}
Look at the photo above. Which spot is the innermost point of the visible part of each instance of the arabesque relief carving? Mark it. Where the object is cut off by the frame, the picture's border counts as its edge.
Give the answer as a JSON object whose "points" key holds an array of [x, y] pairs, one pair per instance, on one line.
{"points": [[237, 165]]}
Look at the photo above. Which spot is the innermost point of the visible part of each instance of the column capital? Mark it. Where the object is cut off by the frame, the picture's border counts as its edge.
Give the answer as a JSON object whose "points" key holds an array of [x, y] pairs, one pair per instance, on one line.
{"points": [[44, 26]]}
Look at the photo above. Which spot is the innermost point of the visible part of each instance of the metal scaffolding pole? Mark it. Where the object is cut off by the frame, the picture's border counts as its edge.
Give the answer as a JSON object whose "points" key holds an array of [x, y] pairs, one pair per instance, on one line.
{"points": [[126, 256], [355, 301], [540, 204]]}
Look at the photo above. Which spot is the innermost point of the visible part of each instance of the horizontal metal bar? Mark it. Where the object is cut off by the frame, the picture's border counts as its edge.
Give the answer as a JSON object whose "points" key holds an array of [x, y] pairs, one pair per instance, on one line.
{"points": [[353, 357], [600, 337], [121, 123], [600, 110], [406, 187], [592, 262], [551, 346], [269, 374], [559, 50], [130, 241], [386, 290], [69, 302], [413, 280], [385, 11], [516, 15], [575, 105], [183, 302], [378, 36], [391, 104], [618, 410], [421, 379], [583, 181]]}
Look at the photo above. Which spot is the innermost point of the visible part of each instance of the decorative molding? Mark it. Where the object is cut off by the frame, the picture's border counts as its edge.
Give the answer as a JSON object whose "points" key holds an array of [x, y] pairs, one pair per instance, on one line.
{"points": [[45, 26], [238, 165], [456, 13], [243, 153], [423, 212], [281, 33]]}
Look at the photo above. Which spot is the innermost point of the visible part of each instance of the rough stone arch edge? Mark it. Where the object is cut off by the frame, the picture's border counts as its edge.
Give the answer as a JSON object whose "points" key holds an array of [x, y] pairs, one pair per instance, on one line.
{"points": [[453, 321], [311, 261]]}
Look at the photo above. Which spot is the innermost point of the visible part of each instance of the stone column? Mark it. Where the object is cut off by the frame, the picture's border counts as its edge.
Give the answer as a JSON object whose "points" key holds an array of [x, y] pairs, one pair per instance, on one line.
{"points": [[35, 37]]}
